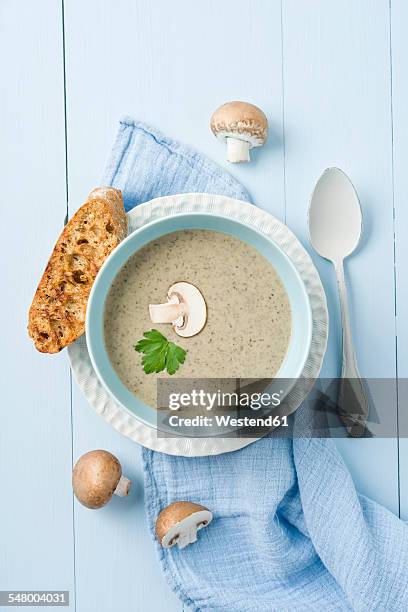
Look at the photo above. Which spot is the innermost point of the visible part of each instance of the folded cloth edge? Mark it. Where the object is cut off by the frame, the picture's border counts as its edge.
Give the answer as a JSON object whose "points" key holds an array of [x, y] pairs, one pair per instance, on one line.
{"points": [[120, 147]]}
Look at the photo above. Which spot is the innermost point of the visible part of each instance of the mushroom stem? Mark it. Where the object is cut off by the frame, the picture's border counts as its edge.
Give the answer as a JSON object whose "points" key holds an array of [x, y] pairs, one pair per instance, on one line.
{"points": [[167, 313], [123, 487], [187, 537], [237, 150]]}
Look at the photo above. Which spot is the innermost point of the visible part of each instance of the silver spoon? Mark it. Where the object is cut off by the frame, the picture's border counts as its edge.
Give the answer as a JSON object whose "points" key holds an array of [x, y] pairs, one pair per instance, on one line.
{"points": [[335, 223]]}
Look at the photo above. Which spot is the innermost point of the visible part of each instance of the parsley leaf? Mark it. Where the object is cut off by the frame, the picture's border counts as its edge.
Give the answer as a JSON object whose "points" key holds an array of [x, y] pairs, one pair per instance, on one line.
{"points": [[174, 356], [159, 354]]}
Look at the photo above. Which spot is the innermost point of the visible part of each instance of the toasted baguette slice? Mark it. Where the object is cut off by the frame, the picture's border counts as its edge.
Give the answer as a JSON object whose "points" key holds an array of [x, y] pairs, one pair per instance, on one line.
{"points": [[57, 313]]}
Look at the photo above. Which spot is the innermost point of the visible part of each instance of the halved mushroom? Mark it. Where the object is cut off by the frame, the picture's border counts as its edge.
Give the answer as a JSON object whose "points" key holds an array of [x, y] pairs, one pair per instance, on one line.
{"points": [[179, 523], [97, 476], [242, 126], [185, 309]]}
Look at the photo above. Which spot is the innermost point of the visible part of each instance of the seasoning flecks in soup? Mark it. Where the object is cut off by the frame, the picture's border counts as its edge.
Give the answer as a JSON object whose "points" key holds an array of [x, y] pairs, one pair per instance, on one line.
{"points": [[248, 325]]}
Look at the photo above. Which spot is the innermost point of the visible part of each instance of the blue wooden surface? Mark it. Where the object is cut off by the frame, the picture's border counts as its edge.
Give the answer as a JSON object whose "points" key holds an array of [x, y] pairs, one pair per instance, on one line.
{"points": [[331, 77], [400, 156], [36, 528]]}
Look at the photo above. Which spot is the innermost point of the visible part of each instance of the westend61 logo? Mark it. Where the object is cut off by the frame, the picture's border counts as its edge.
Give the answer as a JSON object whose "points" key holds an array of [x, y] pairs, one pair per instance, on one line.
{"points": [[192, 407], [218, 401]]}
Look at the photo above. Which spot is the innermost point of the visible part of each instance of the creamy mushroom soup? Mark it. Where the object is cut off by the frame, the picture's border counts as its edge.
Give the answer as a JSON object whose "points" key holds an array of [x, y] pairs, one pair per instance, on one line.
{"points": [[248, 325]]}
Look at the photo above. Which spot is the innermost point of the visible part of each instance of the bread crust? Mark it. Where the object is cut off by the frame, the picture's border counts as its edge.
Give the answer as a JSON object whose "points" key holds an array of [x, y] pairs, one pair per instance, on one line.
{"points": [[57, 313]]}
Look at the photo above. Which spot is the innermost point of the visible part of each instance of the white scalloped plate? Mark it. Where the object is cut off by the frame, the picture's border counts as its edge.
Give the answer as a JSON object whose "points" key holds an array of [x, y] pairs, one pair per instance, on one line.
{"points": [[128, 425]]}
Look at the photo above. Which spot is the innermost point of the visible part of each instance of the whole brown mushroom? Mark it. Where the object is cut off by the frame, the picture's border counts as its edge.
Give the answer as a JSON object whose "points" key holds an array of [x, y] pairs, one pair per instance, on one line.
{"points": [[97, 476], [241, 126]]}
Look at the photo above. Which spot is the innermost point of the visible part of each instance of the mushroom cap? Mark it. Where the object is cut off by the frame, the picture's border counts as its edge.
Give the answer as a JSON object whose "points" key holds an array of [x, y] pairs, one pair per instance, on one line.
{"points": [[240, 120], [95, 477], [174, 515], [195, 319]]}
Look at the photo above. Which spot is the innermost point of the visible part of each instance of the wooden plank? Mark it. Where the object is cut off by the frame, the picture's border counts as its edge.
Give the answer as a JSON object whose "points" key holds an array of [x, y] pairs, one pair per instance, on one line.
{"points": [[399, 47], [170, 64], [337, 85], [36, 532]]}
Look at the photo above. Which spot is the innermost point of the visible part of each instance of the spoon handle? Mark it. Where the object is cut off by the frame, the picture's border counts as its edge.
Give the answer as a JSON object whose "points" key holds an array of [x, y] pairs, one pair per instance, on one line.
{"points": [[352, 395]]}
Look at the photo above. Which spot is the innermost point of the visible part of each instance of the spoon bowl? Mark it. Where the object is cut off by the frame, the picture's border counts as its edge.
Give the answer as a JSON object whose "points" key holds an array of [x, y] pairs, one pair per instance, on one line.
{"points": [[335, 219]]}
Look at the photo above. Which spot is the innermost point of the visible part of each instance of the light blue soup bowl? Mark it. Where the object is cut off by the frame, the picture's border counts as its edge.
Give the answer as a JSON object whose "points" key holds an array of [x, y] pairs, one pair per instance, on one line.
{"points": [[300, 340]]}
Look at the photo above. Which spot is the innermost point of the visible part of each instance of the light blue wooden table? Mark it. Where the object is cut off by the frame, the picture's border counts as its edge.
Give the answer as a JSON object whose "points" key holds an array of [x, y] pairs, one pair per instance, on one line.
{"points": [[332, 77]]}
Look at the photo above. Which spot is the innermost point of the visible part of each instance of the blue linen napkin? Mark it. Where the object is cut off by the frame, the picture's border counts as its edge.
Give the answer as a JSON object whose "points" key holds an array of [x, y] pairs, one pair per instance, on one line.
{"points": [[290, 532], [145, 164]]}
